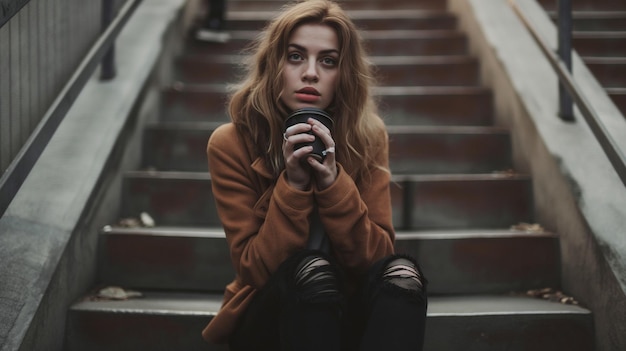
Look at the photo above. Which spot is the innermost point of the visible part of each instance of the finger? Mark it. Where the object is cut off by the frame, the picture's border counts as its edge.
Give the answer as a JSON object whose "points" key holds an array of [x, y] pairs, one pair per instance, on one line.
{"points": [[325, 173], [314, 122], [296, 134], [296, 129], [326, 138], [329, 153]]}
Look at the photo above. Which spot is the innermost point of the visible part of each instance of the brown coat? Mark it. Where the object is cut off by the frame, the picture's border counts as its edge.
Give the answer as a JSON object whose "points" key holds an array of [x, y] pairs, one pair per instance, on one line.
{"points": [[266, 220]]}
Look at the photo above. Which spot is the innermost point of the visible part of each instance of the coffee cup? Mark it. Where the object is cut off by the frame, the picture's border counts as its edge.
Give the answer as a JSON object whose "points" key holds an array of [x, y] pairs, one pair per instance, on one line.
{"points": [[301, 116]]}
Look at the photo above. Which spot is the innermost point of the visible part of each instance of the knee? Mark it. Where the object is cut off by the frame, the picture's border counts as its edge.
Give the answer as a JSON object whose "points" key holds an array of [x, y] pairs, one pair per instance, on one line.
{"points": [[405, 274], [316, 279]]}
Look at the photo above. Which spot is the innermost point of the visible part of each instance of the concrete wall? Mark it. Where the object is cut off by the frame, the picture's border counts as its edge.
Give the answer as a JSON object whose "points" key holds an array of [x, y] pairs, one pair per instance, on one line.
{"points": [[49, 233], [41, 47], [577, 193]]}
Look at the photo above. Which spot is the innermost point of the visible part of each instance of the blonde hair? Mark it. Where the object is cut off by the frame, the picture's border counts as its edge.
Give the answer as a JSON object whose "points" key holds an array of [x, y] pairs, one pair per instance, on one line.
{"points": [[256, 109]]}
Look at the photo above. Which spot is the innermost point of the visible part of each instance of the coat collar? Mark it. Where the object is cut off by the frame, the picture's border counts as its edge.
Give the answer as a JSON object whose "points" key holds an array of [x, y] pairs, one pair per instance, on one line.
{"points": [[260, 167]]}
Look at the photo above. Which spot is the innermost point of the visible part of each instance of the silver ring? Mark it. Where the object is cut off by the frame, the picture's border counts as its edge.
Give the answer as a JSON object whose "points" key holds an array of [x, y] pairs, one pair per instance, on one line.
{"points": [[285, 136], [330, 150]]}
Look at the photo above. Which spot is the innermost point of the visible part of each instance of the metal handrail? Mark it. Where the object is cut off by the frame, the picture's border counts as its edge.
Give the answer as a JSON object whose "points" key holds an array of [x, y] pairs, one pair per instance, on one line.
{"points": [[612, 150], [565, 26], [18, 170]]}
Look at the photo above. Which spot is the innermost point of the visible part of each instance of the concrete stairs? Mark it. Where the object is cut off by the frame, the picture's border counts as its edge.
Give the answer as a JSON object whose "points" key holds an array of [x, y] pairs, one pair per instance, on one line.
{"points": [[600, 39], [455, 196]]}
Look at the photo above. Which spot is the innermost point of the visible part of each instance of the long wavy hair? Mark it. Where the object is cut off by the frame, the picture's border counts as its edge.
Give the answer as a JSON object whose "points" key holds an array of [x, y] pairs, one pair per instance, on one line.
{"points": [[256, 109]]}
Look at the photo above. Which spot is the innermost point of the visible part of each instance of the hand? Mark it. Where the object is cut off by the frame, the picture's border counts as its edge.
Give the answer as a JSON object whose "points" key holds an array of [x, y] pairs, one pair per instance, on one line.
{"points": [[298, 171], [325, 172]]}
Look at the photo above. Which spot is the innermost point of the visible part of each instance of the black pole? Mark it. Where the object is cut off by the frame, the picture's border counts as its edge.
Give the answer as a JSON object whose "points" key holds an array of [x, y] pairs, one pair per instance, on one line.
{"points": [[566, 105], [107, 69]]}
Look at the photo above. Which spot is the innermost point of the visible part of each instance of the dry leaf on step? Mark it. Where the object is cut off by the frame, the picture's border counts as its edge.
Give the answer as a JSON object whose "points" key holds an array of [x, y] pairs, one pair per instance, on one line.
{"points": [[117, 293]]}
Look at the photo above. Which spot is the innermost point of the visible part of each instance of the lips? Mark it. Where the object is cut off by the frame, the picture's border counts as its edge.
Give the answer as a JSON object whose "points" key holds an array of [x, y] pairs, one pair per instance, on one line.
{"points": [[308, 91], [308, 95]]}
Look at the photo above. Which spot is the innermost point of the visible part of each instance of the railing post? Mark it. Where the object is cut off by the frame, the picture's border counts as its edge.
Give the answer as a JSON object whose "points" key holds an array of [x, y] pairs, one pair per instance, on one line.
{"points": [[566, 105], [107, 69]]}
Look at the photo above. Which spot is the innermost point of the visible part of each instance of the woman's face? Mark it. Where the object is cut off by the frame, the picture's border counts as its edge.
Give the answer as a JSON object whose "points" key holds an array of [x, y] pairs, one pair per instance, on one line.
{"points": [[312, 67]]}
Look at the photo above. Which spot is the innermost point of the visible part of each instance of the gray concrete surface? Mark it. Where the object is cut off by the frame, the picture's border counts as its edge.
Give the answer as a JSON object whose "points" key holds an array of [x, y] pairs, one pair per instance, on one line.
{"points": [[578, 194], [48, 234]]}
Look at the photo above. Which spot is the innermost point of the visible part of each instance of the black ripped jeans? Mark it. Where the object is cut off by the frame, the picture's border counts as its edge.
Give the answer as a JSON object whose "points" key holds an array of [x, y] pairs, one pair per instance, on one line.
{"points": [[287, 315]]}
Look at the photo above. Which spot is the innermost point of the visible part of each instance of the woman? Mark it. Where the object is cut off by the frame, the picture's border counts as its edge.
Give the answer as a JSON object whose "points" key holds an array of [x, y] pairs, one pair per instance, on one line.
{"points": [[270, 195]]}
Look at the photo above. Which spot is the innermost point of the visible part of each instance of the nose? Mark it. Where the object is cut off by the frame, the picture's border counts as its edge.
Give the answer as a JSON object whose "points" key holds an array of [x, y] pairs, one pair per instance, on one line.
{"points": [[310, 73]]}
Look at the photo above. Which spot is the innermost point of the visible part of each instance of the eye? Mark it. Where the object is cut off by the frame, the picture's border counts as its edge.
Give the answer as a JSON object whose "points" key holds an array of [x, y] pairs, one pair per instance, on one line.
{"points": [[294, 56], [329, 61]]}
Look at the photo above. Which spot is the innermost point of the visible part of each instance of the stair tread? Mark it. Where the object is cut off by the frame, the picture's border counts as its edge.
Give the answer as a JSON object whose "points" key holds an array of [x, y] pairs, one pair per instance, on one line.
{"points": [[347, 5], [354, 14], [205, 304], [496, 305], [184, 175], [496, 176], [392, 129], [430, 90], [448, 234], [204, 88], [375, 59], [375, 34], [190, 175], [384, 34], [604, 60], [428, 129], [592, 14], [599, 34], [218, 232], [616, 90], [421, 60], [157, 303]]}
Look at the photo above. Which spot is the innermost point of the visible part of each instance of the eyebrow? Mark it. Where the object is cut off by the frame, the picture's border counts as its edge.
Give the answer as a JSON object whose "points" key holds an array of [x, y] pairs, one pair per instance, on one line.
{"points": [[302, 48]]}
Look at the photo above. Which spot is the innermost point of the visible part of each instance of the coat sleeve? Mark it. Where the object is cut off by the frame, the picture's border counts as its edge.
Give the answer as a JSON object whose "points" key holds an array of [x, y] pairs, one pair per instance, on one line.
{"points": [[263, 226], [357, 215]]}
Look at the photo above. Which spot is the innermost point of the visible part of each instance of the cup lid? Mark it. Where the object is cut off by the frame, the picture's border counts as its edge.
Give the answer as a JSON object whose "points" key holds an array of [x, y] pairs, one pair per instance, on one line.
{"points": [[311, 110]]}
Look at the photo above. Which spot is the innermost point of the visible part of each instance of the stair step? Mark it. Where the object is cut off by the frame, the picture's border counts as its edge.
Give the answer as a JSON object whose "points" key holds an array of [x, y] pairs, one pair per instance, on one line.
{"points": [[392, 70], [618, 95], [266, 5], [442, 106], [378, 42], [460, 106], [483, 261], [419, 201], [199, 69], [456, 262], [609, 71], [413, 149], [461, 201], [596, 20], [171, 198], [415, 42], [441, 150], [186, 102], [165, 258], [587, 5], [173, 321], [157, 321], [413, 19], [177, 146], [427, 70], [612, 44], [497, 323]]}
